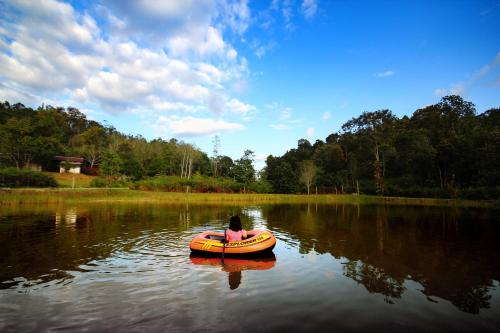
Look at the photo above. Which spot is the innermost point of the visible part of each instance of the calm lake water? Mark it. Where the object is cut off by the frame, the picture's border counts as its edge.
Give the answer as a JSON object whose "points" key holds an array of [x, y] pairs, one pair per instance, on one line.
{"points": [[345, 267]]}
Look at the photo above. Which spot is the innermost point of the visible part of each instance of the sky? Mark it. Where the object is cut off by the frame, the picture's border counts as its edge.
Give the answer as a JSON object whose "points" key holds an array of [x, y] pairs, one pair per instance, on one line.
{"points": [[260, 75]]}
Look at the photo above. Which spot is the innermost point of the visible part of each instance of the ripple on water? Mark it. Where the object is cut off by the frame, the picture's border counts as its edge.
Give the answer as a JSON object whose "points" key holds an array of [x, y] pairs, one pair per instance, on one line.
{"points": [[132, 272]]}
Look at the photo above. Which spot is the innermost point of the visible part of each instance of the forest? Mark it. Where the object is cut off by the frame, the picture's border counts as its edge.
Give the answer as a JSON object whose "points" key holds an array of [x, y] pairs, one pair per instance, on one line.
{"points": [[441, 150]]}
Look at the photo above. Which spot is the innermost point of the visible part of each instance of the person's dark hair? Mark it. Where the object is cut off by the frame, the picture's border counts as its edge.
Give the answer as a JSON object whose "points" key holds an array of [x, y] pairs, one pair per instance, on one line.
{"points": [[235, 223]]}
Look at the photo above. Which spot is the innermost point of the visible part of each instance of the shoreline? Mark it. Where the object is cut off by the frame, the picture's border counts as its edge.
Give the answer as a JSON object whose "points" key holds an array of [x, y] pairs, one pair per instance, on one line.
{"points": [[125, 195]]}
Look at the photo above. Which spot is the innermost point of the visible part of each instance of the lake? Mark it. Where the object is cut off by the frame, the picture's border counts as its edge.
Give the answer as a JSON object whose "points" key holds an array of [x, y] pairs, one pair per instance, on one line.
{"points": [[127, 267]]}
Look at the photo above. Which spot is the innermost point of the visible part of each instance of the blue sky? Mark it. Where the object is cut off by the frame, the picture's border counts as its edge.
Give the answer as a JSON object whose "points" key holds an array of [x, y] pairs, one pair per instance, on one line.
{"points": [[260, 74]]}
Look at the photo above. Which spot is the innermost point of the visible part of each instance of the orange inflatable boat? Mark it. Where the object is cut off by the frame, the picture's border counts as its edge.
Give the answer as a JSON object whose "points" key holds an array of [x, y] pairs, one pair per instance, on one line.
{"points": [[210, 242]]}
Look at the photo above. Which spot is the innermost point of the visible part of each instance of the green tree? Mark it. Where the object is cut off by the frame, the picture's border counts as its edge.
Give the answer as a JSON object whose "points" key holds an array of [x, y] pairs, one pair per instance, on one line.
{"points": [[225, 166], [308, 173], [377, 129], [110, 166], [244, 171], [92, 143], [330, 160], [280, 174]]}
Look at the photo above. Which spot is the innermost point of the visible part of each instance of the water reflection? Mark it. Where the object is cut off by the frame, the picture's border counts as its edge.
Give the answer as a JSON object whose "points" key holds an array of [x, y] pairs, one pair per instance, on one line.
{"points": [[372, 263], [234, 266], [44, 244], [452, 253]]}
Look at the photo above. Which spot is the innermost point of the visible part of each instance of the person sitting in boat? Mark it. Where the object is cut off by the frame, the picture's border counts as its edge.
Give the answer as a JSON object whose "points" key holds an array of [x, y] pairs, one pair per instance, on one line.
{"points": [[235, 232]]}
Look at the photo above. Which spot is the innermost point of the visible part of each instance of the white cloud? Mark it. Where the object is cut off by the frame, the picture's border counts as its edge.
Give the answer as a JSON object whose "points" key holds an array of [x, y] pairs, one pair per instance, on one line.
{"points": [[216, 103], [285, 8], [52, 50], [487, 69], [237, 15], [486, 73], [166, 9], [238, 107], [159, 104], [455, 89], [12, 95], [207, 43], [309, 8], [283, 112], [190, 126], [261, 49], [310, 132], [232, 54], [260, 157], [440, 92], [326, 115], [57, 20], [287, 14], [385, 74], [279, 127]]}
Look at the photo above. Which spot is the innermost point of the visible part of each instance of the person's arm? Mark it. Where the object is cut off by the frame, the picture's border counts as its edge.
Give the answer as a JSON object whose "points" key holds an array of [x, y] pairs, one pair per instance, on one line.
{"points": [[244, 234]]}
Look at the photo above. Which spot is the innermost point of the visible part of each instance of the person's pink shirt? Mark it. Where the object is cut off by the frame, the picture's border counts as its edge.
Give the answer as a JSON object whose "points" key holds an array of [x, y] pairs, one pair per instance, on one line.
{"points": [[234, 236]]}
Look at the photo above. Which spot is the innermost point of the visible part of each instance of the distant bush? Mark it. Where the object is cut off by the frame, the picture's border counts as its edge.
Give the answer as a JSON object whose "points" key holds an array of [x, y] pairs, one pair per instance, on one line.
{"points": [[484, 193], [13, 177], [397, 188], [197, 183], [413, 191], [262, 186], [109, 182]]}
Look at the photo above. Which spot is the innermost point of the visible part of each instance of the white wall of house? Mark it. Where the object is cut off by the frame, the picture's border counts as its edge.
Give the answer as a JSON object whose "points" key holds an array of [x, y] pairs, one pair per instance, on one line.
{"points": [[75, 169]]}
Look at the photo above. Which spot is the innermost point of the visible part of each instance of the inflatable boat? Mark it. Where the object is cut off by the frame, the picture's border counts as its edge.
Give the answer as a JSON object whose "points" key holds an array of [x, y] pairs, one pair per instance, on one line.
{"points": [[210, 242]]}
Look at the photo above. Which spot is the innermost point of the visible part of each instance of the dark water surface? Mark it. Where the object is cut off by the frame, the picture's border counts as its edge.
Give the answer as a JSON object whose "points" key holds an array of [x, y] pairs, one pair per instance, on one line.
{"points": [[336, 267]]}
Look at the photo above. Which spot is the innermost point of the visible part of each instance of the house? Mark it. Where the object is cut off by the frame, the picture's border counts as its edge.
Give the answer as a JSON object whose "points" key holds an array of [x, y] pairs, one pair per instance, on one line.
{"points": [[69, 164]]}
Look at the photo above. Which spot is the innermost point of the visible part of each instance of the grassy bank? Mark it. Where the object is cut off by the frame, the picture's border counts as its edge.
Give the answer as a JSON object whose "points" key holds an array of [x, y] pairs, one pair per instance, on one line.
{"points": [[66, 179], [56, 196]]}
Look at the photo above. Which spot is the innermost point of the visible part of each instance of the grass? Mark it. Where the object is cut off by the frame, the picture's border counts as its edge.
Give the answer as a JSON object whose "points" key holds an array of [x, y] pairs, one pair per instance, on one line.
{"points": [[66, 179], [68, 195]]}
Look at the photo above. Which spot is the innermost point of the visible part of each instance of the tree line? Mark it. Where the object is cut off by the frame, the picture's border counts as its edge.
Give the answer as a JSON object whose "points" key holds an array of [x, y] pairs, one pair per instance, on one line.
{"points": [[441, 150], [34, 136]]}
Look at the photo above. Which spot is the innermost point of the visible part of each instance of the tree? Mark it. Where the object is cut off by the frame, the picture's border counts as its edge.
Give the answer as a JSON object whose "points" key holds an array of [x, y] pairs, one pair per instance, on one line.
{"points": [[280, 174], [448, 124], [330, 160], [110, 166], [188, 155], [378, 128], [22, 142], [129, 165], [244, 171], [308, 173], [92, 142], [226, 166], [16, 141]]}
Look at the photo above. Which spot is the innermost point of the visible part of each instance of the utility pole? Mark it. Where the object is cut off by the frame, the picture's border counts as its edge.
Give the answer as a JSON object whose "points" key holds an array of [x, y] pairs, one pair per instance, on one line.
{"points": [[215, 154]]}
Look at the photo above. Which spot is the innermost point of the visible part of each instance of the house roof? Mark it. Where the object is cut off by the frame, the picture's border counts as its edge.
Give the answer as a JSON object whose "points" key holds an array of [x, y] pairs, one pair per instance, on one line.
{"points": [[69, 159]]}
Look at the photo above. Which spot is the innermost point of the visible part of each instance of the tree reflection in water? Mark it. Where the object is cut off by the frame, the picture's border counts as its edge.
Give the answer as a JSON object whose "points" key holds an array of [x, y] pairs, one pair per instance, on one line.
{"points": [[451, 252], [375, 280]]}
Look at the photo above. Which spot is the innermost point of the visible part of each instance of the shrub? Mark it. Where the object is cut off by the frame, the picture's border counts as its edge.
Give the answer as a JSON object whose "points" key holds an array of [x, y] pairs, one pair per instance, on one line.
{"points": [[262, 186], [485, 193], [12, 177], [109, 182], [197, 183]]}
